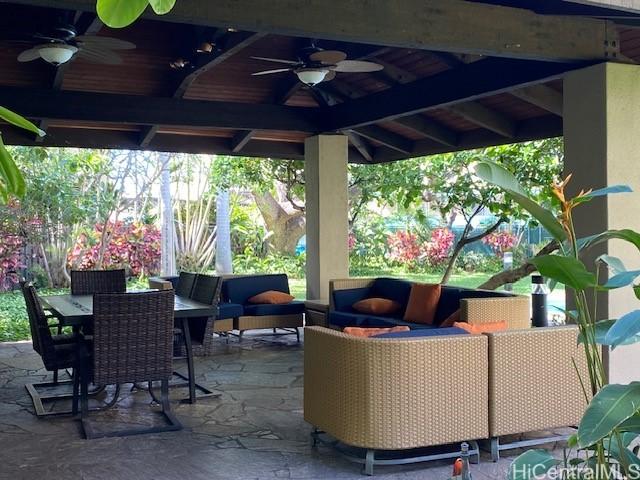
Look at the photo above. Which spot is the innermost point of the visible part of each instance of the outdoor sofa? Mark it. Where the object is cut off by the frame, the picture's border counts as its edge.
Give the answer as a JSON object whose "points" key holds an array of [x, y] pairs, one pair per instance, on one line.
{"points": [[397, 392], [476, 306]]}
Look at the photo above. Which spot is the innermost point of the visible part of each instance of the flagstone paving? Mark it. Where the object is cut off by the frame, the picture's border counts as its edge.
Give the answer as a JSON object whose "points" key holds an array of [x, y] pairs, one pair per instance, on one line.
{"points": [[254, 430]]}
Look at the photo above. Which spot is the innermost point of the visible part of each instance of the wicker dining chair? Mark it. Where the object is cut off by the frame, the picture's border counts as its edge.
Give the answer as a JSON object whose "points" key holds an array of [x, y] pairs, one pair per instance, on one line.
{"points": [[207, 289], [132, 343], [186, 281], [88, 282], [58, 352]]}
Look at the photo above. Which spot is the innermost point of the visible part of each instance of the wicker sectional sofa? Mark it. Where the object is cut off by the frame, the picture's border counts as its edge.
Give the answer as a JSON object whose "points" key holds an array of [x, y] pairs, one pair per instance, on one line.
{"points": [[476, 306]]}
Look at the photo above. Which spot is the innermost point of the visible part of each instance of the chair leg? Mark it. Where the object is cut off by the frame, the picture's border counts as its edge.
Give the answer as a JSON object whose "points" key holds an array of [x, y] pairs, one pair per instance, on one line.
{"points": [[495, 449], [76, 392], [240, 335], [298, 334], [55, 376], [368, 462]]}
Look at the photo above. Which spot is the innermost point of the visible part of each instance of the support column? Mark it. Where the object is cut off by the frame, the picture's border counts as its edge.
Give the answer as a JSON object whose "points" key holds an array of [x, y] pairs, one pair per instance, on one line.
{"points": [[602, 147], [327, 207]]}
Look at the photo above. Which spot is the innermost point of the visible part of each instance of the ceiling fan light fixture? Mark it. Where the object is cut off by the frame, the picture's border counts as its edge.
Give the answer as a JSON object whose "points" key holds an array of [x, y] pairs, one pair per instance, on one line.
{"points": [[57, 54], [312, 76]]}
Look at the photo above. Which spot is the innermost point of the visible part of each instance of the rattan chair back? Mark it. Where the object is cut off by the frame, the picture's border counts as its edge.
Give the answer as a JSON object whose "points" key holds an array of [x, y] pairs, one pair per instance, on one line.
{"points": [[40, 332], [185, 284], [133, 337], [207, 289], [88, 282]]}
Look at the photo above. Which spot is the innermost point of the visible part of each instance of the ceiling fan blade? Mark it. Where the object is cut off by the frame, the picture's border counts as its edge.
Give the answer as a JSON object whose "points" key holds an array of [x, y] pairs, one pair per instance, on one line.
{"points": [[99, 56], [357, 66], [329, 57], [329, 76], [106, 42], [29, 55], [276, 60], [268, 72]]}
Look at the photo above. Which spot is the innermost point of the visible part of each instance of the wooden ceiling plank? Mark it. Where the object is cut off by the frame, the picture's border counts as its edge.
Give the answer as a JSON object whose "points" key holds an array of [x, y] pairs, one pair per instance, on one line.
{"points": [[386, 137], [139, 110], [467, 83], [429, 128], [541, 96], [486, 118], [441, 25]]}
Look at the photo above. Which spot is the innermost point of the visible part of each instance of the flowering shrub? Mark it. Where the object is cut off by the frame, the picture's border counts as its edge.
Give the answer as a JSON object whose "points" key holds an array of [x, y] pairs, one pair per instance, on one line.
{"points": [[404, 247], [133, 246], [500, 242], [352, 241], [10, 260], [438, 248]]}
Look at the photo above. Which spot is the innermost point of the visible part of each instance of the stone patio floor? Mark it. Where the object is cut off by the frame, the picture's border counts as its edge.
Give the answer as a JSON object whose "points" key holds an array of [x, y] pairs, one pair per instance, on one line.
{"points": [[255, 430]]}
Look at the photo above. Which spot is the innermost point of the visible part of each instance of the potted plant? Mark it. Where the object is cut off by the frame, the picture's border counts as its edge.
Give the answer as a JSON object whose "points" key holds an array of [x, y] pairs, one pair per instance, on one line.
{"points": [[601, 448]]}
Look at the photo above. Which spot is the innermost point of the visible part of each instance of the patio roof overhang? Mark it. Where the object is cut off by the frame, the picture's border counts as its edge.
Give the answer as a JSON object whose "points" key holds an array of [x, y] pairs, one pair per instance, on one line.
{"points": [[458, 75]]}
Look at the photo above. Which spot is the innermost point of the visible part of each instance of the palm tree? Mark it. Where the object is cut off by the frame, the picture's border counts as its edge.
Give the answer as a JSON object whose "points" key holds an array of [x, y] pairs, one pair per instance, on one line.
{"points": [[223, 240]]}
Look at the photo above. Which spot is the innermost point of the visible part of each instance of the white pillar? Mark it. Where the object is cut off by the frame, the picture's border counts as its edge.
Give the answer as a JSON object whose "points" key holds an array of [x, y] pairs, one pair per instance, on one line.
{"points": [[602, 147], [327, 214]]}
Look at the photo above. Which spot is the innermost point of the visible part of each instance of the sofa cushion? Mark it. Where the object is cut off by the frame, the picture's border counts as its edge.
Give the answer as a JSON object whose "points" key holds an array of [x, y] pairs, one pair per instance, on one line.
{"points": [[229, 310], [370, 332], [241, 289], [393, 289], [450, 299], [422, 303], [344, 299], [478, 328], [268, 309], [424, 332], [272, 297], [377, 306], [345, 319]]}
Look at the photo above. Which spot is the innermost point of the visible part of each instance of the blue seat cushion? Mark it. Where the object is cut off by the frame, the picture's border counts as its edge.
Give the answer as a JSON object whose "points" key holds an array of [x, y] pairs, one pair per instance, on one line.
{"points": [[268, 309], [344, 319], [450, 300], [343, 300], [421, 333], [229, 310], [241, 289]]}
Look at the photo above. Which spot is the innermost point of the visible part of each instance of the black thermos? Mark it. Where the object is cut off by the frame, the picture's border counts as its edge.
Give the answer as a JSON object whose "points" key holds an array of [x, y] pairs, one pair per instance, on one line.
{"points": [[539, 301]]}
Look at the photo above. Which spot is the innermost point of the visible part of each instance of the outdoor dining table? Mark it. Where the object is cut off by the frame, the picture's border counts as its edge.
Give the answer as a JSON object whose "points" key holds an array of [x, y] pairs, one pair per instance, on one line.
{"points": [[76, 311]]}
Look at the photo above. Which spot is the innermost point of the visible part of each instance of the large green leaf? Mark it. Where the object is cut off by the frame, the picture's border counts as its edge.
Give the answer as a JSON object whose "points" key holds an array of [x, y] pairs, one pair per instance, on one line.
{"points": [[602, 328], [566, 270], [162, 6], [630, 425], [622, 279], [19, 121], [120, 13], [601, 192], [497, 175], [10, 173], [614, 263], [609, 408], [532, 464], [627, 235], [625, 328], [626, 457]]}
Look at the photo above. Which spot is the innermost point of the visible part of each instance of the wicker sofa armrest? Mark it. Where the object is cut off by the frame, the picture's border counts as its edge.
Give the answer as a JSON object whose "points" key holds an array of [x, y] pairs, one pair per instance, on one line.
{"points": [[347, 284], [396, 394], [533, 384], [516, 311]]}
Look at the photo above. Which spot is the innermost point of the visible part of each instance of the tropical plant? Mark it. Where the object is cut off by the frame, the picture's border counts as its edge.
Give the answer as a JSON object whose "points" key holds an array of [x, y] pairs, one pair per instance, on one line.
{"points": [[601, 447], [121, 13], [500, 242], [11, 179], [438, 248]]}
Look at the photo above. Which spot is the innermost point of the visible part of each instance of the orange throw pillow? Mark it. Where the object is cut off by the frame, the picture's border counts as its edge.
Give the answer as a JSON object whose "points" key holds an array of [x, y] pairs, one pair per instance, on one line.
{"points": [[376, 306], [478, 328], [272, 297], [370, 332], [423, 302], [451, 319]]}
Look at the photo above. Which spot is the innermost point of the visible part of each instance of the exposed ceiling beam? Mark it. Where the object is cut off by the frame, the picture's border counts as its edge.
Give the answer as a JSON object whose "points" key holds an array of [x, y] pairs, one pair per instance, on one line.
{"points": [[231, 44], [139, 110], [486, 118], [441, 25], [240, 140], [489, 76], [532, 129], [542, 96], [429, 128], [361, 145], [386, 138]]}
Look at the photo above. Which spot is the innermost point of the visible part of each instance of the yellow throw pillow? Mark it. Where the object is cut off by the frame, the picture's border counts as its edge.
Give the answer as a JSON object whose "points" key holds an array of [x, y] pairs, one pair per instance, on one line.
{"points": [[423, 302], [272, 297]]}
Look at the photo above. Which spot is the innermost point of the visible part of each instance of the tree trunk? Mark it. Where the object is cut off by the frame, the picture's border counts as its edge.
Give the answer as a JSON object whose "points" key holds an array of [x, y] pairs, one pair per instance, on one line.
{"points": [[518, 273], [286, 227], [168, 251], [453, 259], [224, 265]]}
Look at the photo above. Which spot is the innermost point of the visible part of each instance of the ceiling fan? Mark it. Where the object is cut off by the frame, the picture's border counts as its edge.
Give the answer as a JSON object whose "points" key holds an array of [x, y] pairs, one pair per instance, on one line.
{"points": [[315, 65], [62, 43]]}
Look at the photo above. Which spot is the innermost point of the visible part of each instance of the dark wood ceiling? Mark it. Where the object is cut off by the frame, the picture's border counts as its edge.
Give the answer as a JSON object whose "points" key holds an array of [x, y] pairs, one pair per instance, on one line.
{"points": [[216, 106]]}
